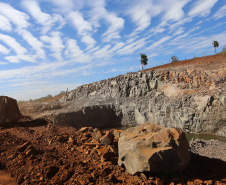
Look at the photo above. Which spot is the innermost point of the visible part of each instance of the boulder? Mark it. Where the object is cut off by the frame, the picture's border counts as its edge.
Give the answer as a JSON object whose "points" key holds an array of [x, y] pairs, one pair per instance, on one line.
{"points": [[9, 111], [153, 148]]}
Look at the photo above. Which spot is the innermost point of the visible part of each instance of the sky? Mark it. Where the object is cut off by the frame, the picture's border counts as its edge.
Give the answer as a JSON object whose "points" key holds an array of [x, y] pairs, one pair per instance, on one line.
{"points": [[47, 46]]}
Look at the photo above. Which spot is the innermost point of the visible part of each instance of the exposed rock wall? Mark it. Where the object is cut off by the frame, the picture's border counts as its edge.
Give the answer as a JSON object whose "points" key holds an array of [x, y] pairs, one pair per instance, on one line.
{"points": [[191, 99]]}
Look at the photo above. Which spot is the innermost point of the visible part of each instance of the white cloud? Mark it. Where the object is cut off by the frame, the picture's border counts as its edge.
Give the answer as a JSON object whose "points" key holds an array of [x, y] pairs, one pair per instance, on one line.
{"points": [[56, 44], [140, 13], [199, 43], [117, 47], [202, 7], [46, 20], [79, 23], [132, 47], [3, 63], [116, 25], [34, 43], [158, 43], [41, 71], [20, 19], [83, 27], [93, 49], [178, 31], [36, 89], [98, 13], [67, 5], [89, 41], [179, 23], [18, 58], [174, 9], [5, 24], [220, 13], [4, 50], [103, 52], [73, 51], [11, 42]]}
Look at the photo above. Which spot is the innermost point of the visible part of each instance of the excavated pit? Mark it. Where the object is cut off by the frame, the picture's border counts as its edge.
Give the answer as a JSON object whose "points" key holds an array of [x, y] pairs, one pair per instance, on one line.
{"points": [[95, 116]]}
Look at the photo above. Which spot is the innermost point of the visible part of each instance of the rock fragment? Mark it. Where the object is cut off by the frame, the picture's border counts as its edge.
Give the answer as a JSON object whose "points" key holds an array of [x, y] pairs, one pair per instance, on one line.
{"points": [[107, 139]]}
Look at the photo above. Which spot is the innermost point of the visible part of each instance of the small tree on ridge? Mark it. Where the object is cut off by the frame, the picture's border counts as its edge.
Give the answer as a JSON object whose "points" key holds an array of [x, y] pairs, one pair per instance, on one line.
{"points": [[215, 45], [143, 60], [174, 59]]}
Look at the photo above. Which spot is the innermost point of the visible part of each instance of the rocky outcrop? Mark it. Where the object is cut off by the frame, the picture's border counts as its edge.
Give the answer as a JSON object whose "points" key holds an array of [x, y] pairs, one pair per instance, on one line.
{"points": [[9, 111], [152, 148], [191, 97]]}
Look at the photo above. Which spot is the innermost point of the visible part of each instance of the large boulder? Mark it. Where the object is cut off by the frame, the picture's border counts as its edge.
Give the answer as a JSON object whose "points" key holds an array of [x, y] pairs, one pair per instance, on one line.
{"points": [[9, 111], [153, 148]]}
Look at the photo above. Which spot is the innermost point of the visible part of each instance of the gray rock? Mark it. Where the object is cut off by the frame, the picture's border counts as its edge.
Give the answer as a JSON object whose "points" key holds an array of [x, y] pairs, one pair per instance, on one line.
{"points": [[152, 148], [178, 97]]}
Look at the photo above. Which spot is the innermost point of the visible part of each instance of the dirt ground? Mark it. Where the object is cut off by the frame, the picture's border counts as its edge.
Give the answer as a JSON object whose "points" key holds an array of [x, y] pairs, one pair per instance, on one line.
{"points": [[38, 152], [208, 62]]}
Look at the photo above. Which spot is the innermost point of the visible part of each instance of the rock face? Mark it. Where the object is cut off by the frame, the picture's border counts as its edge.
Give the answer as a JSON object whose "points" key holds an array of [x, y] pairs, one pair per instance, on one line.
{"points": [[152, 148], [9, 111], [190, 97]]}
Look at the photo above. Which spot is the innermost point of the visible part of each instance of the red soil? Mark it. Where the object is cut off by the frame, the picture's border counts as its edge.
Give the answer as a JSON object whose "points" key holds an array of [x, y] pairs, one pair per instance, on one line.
{"points": [[37, 152], [207, 62]]}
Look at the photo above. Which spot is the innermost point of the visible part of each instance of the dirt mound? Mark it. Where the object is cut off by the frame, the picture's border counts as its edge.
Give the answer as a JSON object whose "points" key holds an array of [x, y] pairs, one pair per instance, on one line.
{"points": [[38, 152], [208, 62]]}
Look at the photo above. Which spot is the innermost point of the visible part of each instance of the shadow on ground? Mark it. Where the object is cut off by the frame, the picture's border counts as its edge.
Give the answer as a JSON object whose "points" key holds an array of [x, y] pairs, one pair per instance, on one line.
{"points": [[26, 121]]}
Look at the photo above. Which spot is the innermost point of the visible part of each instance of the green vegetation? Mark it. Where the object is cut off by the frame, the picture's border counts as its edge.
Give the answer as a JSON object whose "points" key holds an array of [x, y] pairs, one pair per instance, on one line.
{"points": [[143, 60], [174, 59], [42, 99], [62, 92], [215, 45], [223, 50], [48, 97]]}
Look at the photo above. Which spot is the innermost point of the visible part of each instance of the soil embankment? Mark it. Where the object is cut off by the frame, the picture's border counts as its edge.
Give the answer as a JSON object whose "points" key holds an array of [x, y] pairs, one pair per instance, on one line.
{"points": [[38, 152]]}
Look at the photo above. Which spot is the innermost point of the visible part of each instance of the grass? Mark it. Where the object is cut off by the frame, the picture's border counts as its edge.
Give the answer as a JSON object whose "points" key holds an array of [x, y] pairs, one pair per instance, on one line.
{"points": [[223, 52], [47, 98]]}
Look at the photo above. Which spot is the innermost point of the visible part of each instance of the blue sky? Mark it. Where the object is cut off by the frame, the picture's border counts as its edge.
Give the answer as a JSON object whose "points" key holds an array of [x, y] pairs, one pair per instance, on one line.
{"points": [[47, 46]]}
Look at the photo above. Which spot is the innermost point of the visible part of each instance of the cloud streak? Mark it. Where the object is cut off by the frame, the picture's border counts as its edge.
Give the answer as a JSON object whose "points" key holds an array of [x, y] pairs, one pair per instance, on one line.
{"points": [[20, 19], [46, 20]]}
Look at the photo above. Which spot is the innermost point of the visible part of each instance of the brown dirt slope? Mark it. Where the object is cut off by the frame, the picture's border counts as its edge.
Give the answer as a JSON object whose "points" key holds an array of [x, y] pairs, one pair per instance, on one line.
{"points": [[37, 152], [207, 62], [54, 98]]}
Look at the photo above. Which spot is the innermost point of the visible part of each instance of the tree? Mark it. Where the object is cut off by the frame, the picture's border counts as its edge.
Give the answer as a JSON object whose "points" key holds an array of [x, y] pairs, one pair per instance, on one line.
{"points": [[143, 60], [174, 59], [215, 45]]}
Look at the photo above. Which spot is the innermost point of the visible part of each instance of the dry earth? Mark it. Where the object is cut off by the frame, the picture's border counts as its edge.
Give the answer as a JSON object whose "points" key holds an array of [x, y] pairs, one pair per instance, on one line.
{"points": [[38, 152]]}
